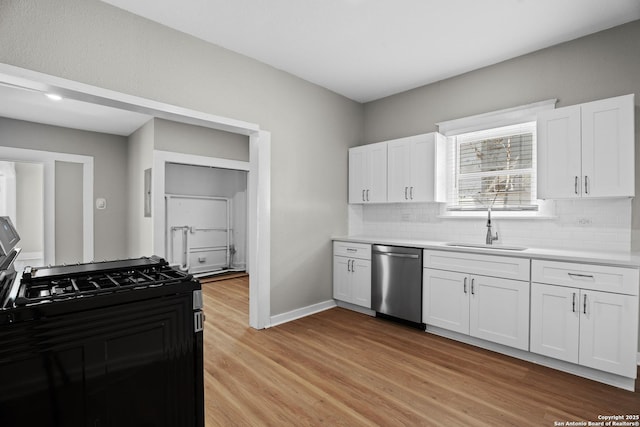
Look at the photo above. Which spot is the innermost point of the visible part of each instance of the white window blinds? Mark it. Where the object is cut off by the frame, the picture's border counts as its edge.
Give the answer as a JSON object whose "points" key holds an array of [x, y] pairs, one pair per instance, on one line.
{"points": [[494, 168]]}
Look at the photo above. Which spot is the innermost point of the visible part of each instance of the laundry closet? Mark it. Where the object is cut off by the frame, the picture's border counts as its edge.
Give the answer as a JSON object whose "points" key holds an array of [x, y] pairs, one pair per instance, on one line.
{"points": [[206, 218]]}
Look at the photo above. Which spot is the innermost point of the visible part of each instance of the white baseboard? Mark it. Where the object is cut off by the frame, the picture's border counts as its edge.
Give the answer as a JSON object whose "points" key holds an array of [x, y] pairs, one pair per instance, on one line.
{"points": [[357, 308], [638, 358], [279, 319]]}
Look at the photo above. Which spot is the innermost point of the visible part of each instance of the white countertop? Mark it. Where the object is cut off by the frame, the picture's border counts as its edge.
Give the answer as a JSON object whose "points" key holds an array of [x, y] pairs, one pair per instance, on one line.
{"points": [[618, 259]]}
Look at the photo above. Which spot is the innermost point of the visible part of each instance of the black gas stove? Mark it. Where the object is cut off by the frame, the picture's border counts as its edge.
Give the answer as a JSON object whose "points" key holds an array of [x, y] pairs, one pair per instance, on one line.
{"points": [[114, 343]]}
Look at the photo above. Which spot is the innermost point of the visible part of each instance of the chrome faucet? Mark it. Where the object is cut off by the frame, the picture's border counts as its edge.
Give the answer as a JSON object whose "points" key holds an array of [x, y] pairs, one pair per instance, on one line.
{"points": [[490, 238]]}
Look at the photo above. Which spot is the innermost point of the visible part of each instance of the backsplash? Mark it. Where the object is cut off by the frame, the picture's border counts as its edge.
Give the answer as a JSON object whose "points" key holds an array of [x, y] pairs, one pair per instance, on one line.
{"points": [[576, 224]]}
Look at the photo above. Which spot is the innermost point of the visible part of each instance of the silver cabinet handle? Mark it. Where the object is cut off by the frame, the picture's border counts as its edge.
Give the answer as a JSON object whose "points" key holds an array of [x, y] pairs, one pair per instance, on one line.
{"points": [[367, 195], [405, 192], [473, 292], [465, 285], [584, 308], [586, 184], [589, 276], [573, 303], [363, 199], [348, 265], [575, 185], [353, 265], [411, 193]]}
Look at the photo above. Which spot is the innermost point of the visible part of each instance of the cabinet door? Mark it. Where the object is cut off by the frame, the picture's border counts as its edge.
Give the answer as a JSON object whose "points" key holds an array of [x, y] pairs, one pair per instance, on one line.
{"points": [[376, 188], [608, 148], [555, 321], [422, 174], [499, 311], [357, 175], [361, 282], [341, 276], [399, 171], [445, 300], [559, 157], [608, 332]]}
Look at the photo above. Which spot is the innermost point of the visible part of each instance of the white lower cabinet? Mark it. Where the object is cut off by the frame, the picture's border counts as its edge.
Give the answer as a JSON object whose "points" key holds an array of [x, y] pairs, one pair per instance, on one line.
{"points": [[491, 308], [591, 328], [445, 300], [352, 273], [499, 311]]}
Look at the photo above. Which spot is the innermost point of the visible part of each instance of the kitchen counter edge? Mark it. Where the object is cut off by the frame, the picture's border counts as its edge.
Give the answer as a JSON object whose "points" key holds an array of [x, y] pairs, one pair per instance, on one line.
{"points": [[616, 259]]}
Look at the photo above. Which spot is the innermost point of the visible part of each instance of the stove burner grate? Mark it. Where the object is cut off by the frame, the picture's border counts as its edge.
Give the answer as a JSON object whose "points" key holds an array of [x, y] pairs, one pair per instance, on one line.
{"points": [[62, 287]]}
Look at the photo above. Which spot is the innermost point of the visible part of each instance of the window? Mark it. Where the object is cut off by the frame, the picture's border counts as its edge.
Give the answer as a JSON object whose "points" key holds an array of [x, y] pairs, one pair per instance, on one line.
{"points": [[491, 161], [494, 168]]}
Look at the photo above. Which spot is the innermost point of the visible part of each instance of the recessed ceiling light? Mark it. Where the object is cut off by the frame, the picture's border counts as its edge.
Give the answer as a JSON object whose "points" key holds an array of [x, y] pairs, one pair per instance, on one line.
{"points": [[53, 96]]}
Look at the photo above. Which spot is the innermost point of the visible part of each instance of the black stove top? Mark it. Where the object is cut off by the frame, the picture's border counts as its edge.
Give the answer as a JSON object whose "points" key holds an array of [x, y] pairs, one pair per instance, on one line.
{"points": [[56, 283]]}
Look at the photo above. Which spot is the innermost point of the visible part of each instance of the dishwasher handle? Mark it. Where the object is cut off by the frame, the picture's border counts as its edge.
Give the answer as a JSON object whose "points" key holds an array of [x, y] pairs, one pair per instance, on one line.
{"points": [[398, 255]]}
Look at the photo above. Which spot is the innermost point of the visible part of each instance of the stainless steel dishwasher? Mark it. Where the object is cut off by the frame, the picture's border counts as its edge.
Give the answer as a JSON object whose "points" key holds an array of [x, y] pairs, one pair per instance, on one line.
{"points": [[396, 282]]}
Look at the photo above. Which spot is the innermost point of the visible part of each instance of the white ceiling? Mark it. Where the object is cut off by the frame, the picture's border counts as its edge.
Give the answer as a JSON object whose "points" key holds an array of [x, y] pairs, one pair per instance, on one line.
{"points": [[369, 49], [34, 106]]}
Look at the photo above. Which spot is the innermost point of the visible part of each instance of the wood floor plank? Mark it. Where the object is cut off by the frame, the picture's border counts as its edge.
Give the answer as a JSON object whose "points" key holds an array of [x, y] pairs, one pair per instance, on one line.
{"points": [[344, 368]]}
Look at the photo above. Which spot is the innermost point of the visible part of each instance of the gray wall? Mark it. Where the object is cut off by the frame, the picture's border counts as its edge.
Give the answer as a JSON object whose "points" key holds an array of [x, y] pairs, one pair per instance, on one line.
{"points": [[311, 127], [139, 158], [203, 181], [200, 141], [598, 66], [110, 174]]}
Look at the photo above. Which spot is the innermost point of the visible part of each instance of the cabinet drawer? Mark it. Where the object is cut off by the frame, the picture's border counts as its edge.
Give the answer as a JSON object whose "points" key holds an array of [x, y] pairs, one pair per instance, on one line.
{"points": [[485, 265], [353, 250], [586, 276]]}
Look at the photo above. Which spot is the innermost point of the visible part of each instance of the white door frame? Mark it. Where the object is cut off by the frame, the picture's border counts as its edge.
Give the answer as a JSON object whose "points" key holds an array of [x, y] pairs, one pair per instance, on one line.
{"points": [[259, 226]]}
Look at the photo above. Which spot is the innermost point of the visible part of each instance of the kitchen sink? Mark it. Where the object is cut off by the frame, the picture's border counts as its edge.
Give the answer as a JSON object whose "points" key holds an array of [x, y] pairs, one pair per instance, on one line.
{"points": [[484, 246]]}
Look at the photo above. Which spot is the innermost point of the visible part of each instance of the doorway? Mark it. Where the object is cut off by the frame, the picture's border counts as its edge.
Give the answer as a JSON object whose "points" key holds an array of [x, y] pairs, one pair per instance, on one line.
{"points": [[206, 219], [259, 178], [21, 199]]}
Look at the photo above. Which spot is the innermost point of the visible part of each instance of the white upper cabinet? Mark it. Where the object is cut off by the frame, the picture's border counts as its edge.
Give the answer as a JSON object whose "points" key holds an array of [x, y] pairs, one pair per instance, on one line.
{"points": [[416, 169], [368, 173], [587, 150]]}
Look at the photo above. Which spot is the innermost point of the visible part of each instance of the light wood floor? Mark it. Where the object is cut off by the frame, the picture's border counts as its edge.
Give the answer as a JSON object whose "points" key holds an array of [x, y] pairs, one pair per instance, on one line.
{"points": [[340, 368]]}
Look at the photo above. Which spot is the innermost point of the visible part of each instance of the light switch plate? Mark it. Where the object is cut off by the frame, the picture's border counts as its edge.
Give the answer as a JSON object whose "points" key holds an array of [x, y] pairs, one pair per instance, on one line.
{"points": [[101, 203]]}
